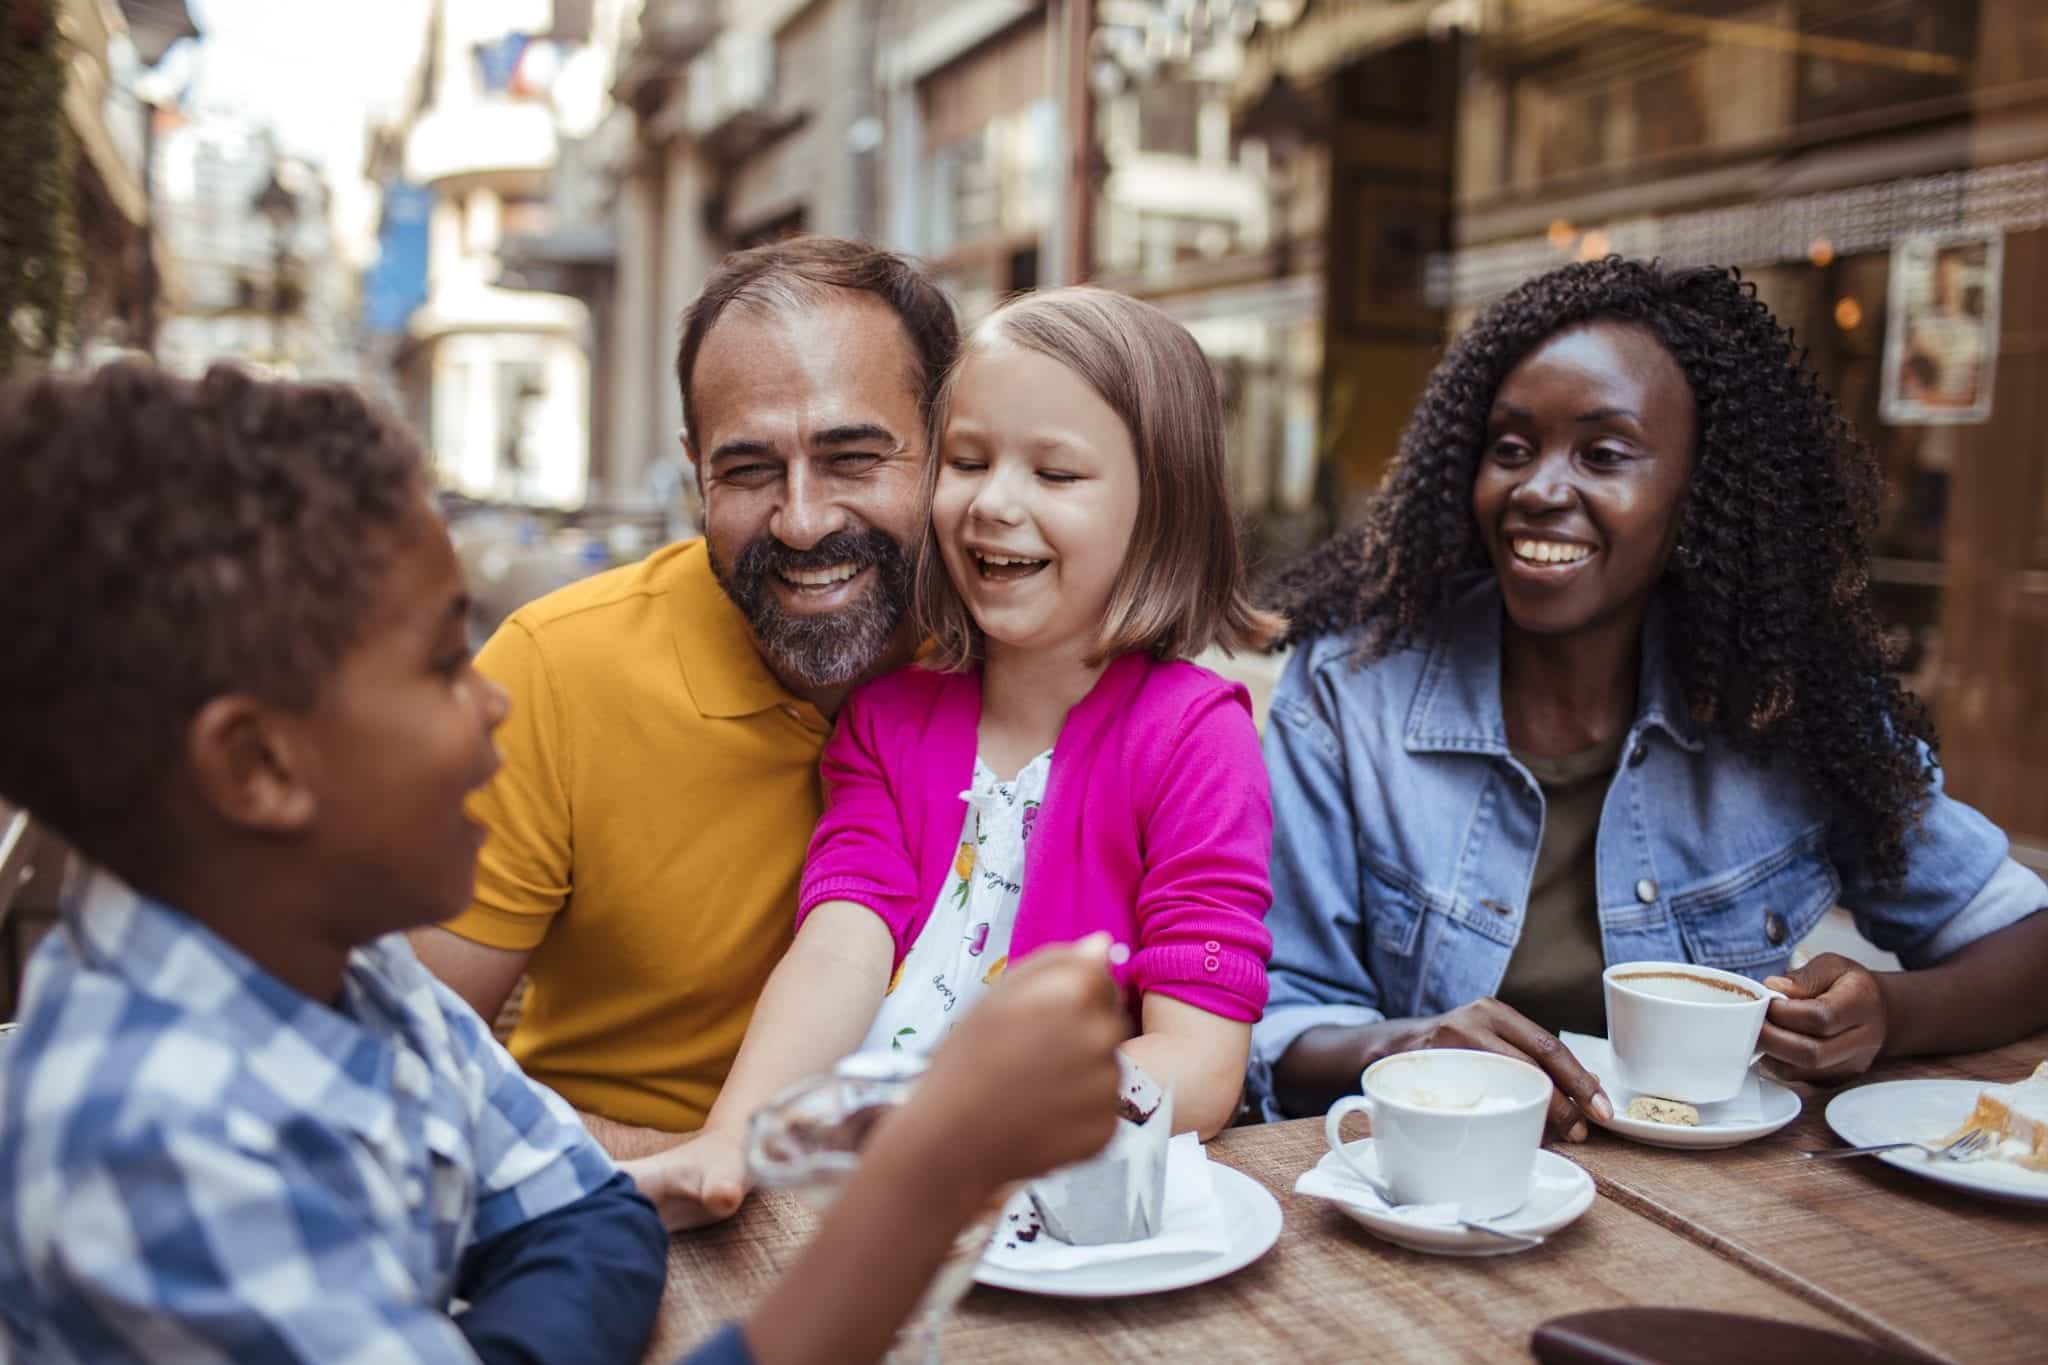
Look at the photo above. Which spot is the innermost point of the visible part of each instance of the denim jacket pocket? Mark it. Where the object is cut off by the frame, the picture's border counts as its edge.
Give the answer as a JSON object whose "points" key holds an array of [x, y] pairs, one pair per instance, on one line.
{"points": [[1750, 919], [1393, 910]]}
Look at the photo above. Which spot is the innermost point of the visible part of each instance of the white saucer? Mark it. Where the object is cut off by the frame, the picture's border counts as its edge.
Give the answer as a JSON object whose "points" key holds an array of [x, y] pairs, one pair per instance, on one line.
{"points": [[1777, 1106], [1929, 1111], [1250, 1209], [1780, 1107], [1560, 1193]]}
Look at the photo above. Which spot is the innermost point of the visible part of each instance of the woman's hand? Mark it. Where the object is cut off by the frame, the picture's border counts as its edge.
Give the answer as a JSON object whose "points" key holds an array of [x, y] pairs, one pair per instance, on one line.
{"points": [[1489, 1026], [699, 1182], [1833, 1026]]}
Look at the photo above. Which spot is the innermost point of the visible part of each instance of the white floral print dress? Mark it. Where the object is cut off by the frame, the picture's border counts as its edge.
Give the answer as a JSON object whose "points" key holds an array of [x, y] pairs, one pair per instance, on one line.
{"points": [[965, 945]]}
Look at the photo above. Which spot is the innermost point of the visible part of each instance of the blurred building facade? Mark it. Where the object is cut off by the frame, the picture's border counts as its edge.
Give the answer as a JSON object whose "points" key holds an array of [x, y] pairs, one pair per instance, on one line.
{"points": [[252, 232], [1878, 167], [967, 132], [496, 377], [124, 268], [1324, 191]]}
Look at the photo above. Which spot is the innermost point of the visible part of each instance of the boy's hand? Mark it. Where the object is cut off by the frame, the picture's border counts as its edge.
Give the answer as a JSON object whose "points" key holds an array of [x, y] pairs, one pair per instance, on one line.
{"points": [[1833, 1026], [1028, 1080], [697, 1183]]}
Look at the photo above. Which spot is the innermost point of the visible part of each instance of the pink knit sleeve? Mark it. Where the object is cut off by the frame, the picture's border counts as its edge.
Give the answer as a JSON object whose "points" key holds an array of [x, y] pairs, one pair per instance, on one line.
{"points": [[1202, 903], [860, 851]]}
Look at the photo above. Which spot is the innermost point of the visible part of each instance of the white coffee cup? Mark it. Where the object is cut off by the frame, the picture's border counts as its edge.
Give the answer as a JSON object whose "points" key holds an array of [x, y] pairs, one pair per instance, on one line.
{"points": [[1680, 1031], [1449, 1126]]}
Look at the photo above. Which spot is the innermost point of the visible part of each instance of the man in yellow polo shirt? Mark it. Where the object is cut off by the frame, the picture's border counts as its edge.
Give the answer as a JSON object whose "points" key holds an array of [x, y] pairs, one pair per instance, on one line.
{"points": [[660, 762]]}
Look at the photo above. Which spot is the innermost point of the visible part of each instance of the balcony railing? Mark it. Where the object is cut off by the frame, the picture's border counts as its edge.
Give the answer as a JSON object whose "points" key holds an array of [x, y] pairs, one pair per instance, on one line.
{"points": [[496, 136]]}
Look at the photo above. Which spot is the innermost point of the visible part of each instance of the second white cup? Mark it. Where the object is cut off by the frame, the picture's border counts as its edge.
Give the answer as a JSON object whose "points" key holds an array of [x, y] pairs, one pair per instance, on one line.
{"points": [[1450, 1126], [1681, 1031]]}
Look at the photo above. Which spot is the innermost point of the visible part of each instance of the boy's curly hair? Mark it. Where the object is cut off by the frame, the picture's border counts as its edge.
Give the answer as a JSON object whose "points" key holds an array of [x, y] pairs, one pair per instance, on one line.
{"points": [[1773, 636], [167, 542]]}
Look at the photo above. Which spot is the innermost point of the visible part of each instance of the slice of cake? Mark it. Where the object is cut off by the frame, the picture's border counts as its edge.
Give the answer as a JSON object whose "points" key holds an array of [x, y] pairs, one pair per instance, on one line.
{"points": [[1120, 1194], [2016, 1117]]}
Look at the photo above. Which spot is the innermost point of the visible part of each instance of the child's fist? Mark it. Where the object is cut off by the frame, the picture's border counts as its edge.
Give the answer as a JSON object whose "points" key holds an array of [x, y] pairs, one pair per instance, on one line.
{"points": [[700, 1181]]}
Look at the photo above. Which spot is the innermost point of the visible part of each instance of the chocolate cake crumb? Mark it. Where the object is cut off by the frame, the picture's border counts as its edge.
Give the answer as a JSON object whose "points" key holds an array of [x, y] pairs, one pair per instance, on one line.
{"points": [[1127, 1109]]}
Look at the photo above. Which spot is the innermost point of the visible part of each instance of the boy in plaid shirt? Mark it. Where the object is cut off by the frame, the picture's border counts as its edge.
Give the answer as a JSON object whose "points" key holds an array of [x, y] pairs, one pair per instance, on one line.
{"points": [[240, 1122]]}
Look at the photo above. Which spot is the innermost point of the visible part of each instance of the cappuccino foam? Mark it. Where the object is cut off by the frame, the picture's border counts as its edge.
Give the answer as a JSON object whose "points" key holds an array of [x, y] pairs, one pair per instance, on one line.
{"points": [[1448, 1103], [1697, 990]]}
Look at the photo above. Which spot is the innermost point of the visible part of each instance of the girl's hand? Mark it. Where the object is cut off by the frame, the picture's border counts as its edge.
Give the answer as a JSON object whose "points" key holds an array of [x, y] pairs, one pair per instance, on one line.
{"points": [[699, 1182], [1489, 1026], [1833, 1026]]}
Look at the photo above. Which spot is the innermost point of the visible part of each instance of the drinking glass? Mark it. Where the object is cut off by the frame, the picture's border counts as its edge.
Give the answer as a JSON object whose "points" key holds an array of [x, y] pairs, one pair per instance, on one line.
{"points": [[808, 1140]]}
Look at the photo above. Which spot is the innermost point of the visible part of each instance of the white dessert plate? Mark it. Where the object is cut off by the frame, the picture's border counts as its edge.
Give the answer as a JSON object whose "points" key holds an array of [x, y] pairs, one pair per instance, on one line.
{"points": [[1560, 1193], [1929, 1111], [1777, 1106], [1250, 1209]]}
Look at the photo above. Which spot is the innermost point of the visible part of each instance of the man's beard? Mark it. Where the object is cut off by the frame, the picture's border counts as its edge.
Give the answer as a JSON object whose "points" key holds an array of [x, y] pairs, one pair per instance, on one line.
{"points": [[833, 648]]}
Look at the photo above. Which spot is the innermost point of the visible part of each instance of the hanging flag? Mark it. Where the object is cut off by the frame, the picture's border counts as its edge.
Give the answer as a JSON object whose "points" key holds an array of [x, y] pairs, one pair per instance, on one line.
{"points": [[498, 62]]}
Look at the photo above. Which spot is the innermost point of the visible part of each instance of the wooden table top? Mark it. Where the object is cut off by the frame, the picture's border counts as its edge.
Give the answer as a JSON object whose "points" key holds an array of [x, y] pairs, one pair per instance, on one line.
{"points": [[1855, 1247], [1900, 1257]]}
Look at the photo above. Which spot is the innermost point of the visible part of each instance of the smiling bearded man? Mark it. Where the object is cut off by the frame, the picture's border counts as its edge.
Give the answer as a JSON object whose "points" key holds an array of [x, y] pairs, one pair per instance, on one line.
{"points": [[660, 778]]}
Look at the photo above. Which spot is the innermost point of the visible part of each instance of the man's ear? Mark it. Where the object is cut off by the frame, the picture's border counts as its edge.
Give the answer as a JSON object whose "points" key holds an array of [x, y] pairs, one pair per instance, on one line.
{"points": [[249, 766]]}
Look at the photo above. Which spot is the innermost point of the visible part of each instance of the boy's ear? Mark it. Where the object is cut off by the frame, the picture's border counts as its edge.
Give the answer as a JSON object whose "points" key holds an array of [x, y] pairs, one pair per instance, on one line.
{"points": [[249, 767]]}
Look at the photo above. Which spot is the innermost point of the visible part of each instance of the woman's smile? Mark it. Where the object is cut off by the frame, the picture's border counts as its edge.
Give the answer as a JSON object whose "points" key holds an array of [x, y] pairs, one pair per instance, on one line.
{"points": [[1587, 457]]}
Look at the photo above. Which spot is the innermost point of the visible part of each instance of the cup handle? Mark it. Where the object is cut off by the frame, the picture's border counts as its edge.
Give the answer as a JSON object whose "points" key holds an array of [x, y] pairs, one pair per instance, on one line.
{"points": [[1758, 1055], [1333, 1137]]}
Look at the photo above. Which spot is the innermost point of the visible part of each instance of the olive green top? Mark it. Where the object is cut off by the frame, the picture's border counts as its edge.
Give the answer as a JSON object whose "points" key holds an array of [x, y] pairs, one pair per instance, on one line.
{"points": [[1553, 976]]}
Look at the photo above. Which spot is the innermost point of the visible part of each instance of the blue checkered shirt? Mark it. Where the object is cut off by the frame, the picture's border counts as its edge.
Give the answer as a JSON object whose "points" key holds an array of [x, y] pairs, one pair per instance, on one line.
{"points": [[199, 1164]]}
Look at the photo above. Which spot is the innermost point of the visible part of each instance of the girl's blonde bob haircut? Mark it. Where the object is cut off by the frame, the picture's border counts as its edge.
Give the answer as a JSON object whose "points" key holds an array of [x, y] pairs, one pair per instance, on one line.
{"points": [[1181, 589]]}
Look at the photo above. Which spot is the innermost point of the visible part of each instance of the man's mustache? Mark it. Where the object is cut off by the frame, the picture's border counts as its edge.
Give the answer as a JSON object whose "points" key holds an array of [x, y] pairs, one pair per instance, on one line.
{"points": [[765, 555]]}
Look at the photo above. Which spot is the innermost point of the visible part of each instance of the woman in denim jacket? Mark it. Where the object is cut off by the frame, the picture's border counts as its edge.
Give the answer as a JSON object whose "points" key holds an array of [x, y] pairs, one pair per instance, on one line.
{"points": [[1600, 680]]}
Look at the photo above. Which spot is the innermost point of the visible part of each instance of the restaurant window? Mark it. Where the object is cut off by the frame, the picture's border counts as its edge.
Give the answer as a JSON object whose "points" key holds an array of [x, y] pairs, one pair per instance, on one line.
{"points": [[1669, 114], [527, 216], [1882, 56], [1023, 270], [771, 230], [1169, 117]]}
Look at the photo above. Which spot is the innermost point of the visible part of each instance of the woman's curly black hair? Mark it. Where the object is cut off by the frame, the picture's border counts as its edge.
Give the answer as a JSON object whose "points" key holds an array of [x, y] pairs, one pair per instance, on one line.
{"points": [[1773, 637]]}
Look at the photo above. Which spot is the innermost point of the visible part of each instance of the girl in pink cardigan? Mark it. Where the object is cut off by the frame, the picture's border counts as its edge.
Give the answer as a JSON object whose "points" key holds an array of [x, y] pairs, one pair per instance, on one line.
{"points": [[1055, 767]]}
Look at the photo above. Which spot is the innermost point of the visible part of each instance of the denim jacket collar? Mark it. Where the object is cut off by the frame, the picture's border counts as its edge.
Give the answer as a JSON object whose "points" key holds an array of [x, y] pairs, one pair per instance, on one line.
{"points": [[1457, 707]]}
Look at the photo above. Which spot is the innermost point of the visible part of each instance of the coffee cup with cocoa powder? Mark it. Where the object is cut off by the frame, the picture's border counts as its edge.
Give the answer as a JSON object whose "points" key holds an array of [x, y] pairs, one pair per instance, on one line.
{"points": [[1680, 1031]]}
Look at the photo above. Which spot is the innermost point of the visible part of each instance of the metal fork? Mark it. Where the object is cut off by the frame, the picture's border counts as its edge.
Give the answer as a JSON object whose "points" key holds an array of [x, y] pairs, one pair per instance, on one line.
{"points": [[1970, 1144]]}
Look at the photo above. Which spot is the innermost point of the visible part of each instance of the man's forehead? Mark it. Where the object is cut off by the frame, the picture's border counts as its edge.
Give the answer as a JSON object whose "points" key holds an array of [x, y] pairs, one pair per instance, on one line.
{"points": [[820, 359]]}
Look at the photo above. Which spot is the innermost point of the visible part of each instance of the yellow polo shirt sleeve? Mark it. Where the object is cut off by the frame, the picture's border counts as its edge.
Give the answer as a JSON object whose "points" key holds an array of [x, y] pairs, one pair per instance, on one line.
{"points": [[523, 873]]}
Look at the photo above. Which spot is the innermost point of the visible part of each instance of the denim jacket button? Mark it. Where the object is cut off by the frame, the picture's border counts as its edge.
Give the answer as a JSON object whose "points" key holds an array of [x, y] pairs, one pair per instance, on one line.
{"points": [[1637, 755], [1646, 891], [1774, 928], [1498, 907]]}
